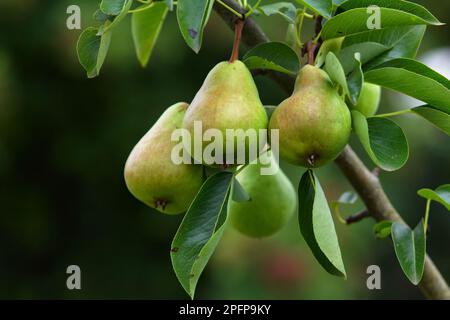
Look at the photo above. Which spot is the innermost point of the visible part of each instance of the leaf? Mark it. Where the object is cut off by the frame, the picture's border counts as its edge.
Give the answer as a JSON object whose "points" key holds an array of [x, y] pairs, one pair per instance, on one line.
{"points": [[101, 17], [346, 200], [367, 51], [122, 14], [321, 7], [200, 230], [382, 229], [238, 192], [192, 17], [354, 21], [441, 195], [383, 140], [437, 117], [405, 6], [92, 50], [169, 4], [112, 7], [414, 79], [355, 80], [290, 37], [145, 28], [337, 3], [403, 42], [410, 249], [334, 69], [273, 56], [332, 45], [348, 197], [316, 225], [285, 9]]}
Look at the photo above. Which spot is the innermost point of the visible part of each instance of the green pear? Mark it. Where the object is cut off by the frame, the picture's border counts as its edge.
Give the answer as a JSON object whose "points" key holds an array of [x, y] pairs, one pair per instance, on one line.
{"points": [[228, 99], [150, 174], [369, 99], [272, 201], [314, 122]]}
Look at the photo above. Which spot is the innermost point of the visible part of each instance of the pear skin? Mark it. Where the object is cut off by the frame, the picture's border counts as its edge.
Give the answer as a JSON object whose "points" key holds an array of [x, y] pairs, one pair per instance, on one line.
{"points": [[314, 123], [273, 202], [228, 99], [150, 174], [369, 99]]}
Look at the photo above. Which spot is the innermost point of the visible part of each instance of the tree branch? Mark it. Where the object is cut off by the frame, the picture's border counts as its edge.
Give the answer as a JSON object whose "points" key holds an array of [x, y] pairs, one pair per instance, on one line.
{"points": [[369, 188]]}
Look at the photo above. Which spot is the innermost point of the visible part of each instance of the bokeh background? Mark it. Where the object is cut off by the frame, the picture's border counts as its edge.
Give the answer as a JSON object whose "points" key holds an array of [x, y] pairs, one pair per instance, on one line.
{"points": [[64, 140]]}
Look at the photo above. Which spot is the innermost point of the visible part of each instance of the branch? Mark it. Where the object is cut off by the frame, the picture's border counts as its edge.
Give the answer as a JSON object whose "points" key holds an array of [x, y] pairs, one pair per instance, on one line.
{"points": [[357, 217], [369, 188]]}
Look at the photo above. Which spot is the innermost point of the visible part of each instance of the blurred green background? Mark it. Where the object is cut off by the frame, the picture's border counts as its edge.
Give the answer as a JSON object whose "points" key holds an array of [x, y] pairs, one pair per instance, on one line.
{"points": [[64, 140]]}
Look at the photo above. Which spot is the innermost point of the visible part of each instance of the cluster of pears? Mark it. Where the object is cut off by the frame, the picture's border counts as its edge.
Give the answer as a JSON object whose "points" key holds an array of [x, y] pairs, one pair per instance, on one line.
{"points": [[314, 125]]}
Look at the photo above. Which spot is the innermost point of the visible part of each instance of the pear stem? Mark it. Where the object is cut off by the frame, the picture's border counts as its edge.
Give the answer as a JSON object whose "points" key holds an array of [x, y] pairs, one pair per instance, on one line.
{"points": [[310, 51], [237, 39]]}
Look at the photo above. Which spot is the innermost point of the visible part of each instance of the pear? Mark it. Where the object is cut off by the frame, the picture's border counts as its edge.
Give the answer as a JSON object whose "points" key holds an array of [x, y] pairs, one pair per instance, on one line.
{"points": [[314, 123], [369, 99], [272, 201], [150, 174], [228, 99]]}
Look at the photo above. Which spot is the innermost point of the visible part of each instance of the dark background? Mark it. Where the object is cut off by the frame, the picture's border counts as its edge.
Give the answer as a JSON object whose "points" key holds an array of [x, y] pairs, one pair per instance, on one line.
{"points": [[64, 140]]}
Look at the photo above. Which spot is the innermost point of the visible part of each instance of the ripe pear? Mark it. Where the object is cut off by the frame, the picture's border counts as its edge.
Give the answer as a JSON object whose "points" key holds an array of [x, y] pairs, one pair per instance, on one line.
{"points": [[272, 201], [314, 122], [228, 99], [150, 174], [369, 99]]}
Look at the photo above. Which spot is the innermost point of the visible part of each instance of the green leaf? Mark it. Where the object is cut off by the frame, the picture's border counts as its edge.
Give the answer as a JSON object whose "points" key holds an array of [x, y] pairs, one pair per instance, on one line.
{"points": [[122, 14], [405, 46], [414, 79], [348, 197], [382, 229], [332, 45], [192, 17], [316, 225], [441, 195], [169, 4], [101, 17], [404, 40], [438, 118], [346, 200], [238, 192], [410, 249], [285, 9], [92, 50], [354, 22], [405, 6], [145, 28], [112, 7], [383, 140], [273, 56], [337, 3], [355, 79], [291, 36], [336, 72], [321, 7], [367, 51], [200, 230]]}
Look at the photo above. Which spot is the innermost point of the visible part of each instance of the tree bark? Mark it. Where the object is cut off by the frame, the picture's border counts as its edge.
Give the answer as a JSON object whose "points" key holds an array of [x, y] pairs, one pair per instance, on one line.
{"points": [[366, 184]]}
